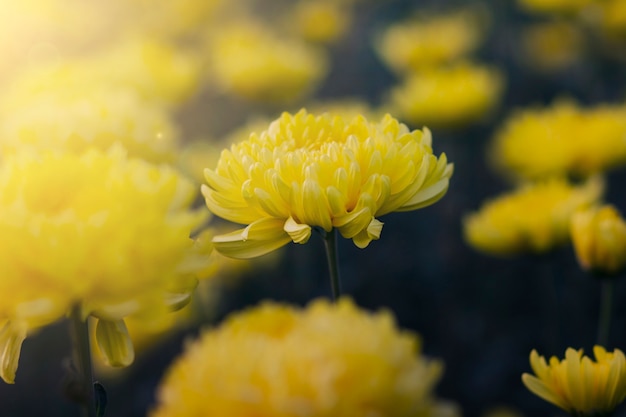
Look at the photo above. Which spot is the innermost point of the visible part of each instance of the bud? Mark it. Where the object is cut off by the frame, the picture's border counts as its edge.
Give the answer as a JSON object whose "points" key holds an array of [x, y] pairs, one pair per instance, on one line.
{"points": [[599, 237]]}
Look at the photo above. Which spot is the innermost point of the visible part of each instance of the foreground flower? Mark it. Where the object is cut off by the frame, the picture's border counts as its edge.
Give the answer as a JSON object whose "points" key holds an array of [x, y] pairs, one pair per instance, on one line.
{"points": [[599, 237], [306, 171], [448, 96], [533, 218], [98, 232], [577, 384], [431, 40], [325, 360], [535, 143]]}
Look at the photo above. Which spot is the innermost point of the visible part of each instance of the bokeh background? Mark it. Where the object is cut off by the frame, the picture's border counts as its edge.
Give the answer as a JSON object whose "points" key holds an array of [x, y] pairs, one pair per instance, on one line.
{"points": [[482, 315]]}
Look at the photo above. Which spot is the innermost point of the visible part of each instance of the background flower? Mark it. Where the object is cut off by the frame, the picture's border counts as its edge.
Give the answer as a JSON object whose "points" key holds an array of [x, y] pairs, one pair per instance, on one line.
{"points": [[325, 360]]}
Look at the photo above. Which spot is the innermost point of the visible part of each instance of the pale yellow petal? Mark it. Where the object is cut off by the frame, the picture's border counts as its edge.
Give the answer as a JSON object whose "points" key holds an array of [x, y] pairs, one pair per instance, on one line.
{"points": [[114, 343]]}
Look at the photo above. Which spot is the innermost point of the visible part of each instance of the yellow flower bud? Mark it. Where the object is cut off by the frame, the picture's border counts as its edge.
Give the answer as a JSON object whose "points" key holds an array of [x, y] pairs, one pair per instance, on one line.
{"points": [[599, 237]]}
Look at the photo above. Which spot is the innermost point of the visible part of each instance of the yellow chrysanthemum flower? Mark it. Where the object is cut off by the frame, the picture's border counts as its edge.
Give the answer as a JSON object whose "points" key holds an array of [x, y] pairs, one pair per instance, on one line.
{"points": [[108, 234], [577, 384], [533, 218], [309, 171], [599, 237], [60, 118], [553, 46], [536, 143], [326, 360], [250, 60], [448, 96], [431, 40], [318, 21], [555, 6]]}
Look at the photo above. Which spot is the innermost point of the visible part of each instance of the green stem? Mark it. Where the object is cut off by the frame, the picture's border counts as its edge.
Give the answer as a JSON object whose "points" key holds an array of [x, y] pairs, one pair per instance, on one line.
{"points": [[82, 360], [604, 320], [333, 267]]}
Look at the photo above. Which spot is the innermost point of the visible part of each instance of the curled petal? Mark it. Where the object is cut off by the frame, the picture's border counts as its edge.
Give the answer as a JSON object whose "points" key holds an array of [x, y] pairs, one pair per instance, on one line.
{"points": [[372, 232], [259, 238], [353, 223], [299, 233], [114, 343], [11, 337]]}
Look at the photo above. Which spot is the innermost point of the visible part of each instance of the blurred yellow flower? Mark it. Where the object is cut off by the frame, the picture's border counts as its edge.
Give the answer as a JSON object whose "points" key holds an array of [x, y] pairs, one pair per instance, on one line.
{"points": [[323, 171], [249, 60], [552, 46], [536, 143], [322, 21], [611, 17], [65, 119], [325, 360], [599, 238], [555, 6], [108, 233], [577, 384], [431, 40], [533, 218], [448, 96]]}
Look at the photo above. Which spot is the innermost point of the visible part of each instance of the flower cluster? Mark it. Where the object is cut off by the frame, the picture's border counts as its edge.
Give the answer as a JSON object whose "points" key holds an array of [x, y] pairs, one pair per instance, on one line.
{"points": [[109, 234], [577, 384], [325, 360], [309, 171], [533, 218]]}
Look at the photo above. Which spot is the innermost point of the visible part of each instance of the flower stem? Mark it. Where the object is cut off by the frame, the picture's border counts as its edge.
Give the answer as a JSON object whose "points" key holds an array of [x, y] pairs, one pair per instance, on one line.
{"points": [[333, 267], [604, 320], [82, 361]]}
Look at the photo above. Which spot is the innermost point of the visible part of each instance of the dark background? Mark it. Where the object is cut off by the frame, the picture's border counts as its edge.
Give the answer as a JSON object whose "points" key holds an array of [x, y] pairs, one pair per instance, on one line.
{"points": [[480, 314]]}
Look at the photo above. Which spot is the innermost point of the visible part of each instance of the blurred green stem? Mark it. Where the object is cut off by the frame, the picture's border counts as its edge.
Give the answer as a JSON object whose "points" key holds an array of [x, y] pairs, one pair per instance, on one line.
{"points": [[333, 267], [604, 320], [82, 361]]}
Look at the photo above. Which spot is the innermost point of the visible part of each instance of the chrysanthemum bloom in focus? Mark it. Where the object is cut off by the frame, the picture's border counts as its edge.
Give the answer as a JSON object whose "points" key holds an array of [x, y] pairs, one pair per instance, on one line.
{"points": [[98, 233], [431, 40], [250, 60], [533, 218], [599, 237], [325, 360], [536, 143], [309, 171], [448, 96], [577, 384]]}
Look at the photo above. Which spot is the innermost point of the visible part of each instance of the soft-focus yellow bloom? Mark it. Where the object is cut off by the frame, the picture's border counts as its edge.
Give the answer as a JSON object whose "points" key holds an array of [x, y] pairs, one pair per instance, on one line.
{"points": [[577, 384], [430, 40], [599, 237], [318, 21], [553, 46], [107, 233], [309, 171], [60, 118], [326, 360], [562, 139], [158, 71], [555, 6], [448, 96], [250, 60], [610, 16], [533, 218]]}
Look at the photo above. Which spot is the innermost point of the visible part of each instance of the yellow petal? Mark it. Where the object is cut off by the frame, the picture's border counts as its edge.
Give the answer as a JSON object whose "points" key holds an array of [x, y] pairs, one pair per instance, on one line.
{"points": [[299, 233], [114, 342], [259, 238], [11, 337], [540, 389]]}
